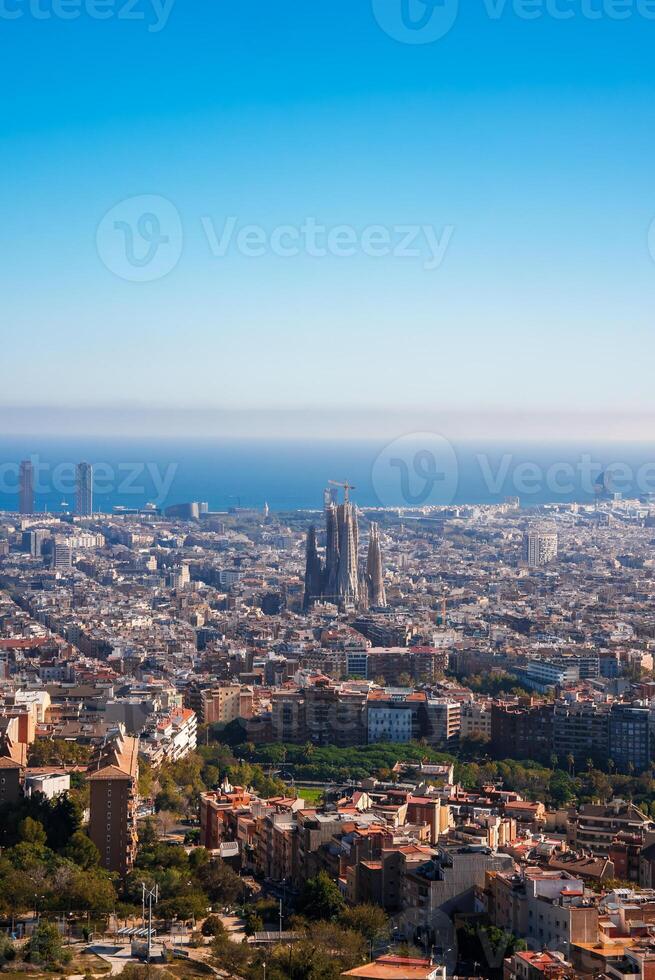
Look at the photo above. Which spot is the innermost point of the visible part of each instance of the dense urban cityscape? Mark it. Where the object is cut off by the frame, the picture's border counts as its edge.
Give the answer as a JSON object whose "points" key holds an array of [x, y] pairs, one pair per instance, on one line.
{"points": [[385, 743]]}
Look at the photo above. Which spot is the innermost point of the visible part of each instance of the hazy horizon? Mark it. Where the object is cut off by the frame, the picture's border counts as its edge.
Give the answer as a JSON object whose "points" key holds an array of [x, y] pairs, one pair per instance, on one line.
{"points": [[335, 423]]}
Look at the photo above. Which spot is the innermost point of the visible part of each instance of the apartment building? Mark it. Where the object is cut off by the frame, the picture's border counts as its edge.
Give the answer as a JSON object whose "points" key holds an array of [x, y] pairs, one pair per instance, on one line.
{"points": [[475, 720], [533, 965], [594, 826], [11, 773], [225, 703], [113, 783], [443, 720], [424, 665], [581, 729], [170, 737], [323, 713], [522, 731], [219, 814], [548, 908], [630, 737], [449, 881], [544, 674], [394, 716]]}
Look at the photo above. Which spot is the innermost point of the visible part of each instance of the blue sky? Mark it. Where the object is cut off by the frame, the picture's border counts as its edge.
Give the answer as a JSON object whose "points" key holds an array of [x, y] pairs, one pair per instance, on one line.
{"points": [[526, 145]]}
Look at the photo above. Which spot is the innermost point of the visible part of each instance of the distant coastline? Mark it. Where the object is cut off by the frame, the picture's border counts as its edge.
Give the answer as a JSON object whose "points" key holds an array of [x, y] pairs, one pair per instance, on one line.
{"points": [[291, 475]]}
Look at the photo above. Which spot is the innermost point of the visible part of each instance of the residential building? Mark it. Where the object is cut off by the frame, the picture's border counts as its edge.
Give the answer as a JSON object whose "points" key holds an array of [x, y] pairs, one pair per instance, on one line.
{"points": [[594, 826], [539, 548], [113, 782], [630, 737]]}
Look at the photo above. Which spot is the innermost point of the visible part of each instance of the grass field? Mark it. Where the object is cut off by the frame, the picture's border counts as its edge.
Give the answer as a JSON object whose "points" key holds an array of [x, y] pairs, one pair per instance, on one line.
{"points": [[312, 795]]}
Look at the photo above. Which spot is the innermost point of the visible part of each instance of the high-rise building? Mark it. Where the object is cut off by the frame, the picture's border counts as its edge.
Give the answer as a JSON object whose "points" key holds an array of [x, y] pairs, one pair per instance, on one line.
{"points": [[62, 555], [26, 487], [539, 547], [113, 777], [33, 541], [629, 737], [84, 484], [581, 729]]}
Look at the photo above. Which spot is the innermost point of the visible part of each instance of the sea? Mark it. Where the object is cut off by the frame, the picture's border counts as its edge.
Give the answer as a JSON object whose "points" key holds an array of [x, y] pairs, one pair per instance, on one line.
{"points": [[420, 470]]}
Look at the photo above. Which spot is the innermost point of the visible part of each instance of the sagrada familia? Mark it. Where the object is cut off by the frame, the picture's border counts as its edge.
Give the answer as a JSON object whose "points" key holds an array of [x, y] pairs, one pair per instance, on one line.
{"points": [[340, 579]]}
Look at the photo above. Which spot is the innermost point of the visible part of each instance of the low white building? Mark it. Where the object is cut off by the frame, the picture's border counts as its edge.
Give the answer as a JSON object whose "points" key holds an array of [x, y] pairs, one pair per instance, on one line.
{"points": [[51, 784]]}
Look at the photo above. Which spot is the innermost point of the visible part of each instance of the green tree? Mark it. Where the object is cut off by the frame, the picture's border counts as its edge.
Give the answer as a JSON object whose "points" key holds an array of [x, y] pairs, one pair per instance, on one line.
{"points": [[325, 953], [46, 947], [230, 956], [369, 920], [32, 832], [146, 779], [213, 926], [63, 820], [188, 903], [321, 898], [7, 949], [82, 851], [221, 883], [90, 890], [561, 788]]}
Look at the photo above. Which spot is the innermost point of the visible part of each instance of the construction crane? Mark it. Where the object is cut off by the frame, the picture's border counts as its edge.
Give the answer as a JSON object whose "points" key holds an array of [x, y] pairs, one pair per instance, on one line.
{"points": [[346, 487]]}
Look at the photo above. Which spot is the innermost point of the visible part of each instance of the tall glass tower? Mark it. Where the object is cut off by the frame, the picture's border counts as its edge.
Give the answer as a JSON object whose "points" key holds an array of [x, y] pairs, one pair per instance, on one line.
{"points": [[26, 487], [84, 497]]}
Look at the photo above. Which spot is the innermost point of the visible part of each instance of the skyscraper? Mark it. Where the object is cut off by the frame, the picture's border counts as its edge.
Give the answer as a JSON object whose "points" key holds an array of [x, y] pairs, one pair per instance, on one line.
{"points": [[26, 487], [374, 579], [84, 483]]}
